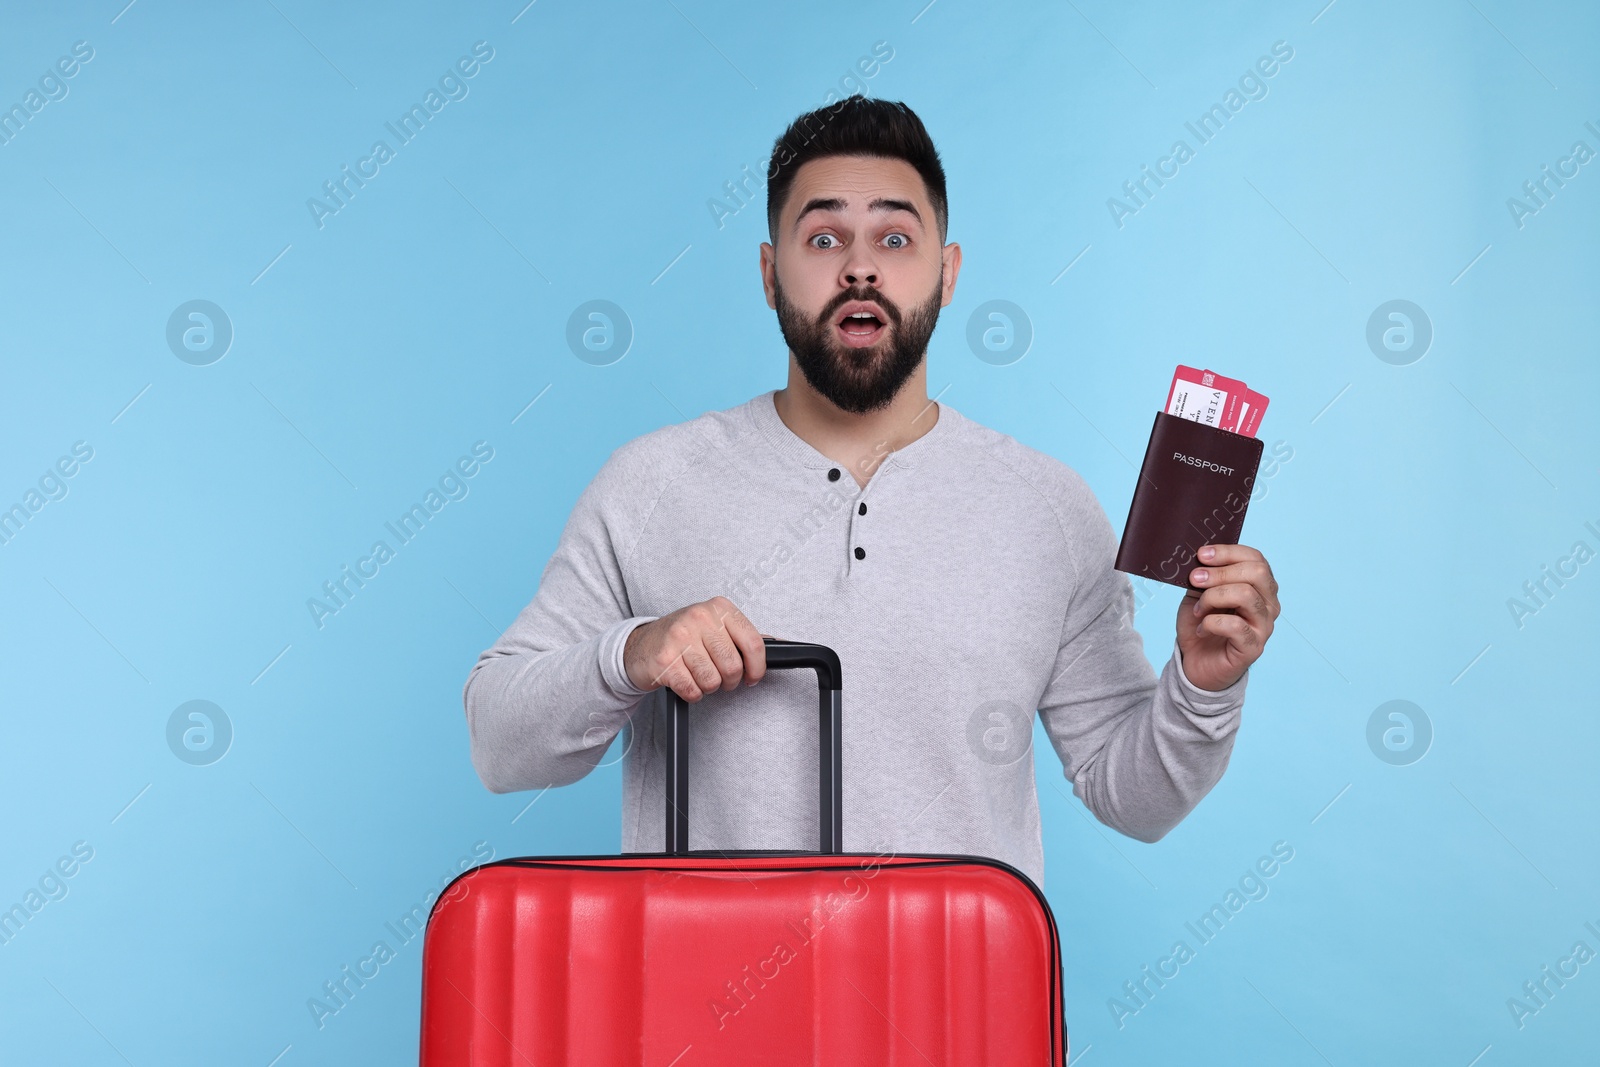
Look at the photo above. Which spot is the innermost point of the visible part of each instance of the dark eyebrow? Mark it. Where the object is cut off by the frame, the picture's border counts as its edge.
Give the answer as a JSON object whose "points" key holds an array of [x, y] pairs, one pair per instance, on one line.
{"points": [[881, 203]]}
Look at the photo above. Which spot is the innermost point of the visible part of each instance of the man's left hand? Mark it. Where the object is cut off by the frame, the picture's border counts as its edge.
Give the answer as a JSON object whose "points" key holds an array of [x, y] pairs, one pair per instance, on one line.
{"points": [[1223, 625]]}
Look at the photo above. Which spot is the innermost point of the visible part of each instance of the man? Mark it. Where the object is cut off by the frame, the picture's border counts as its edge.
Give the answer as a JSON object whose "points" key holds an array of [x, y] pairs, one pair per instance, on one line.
{"points": [[964, 578]]}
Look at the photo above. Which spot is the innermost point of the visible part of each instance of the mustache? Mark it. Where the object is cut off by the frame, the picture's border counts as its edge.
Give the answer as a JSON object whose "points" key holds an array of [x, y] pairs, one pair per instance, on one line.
{"points": [[867, 295]]}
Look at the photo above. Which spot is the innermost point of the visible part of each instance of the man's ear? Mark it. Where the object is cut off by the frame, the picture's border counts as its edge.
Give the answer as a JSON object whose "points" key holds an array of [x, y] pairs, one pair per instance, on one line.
{"points": [[951, 254], [768, 273]]}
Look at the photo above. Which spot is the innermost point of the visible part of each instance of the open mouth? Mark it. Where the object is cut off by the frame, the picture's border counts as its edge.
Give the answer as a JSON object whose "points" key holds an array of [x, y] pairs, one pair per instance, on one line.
{"points": [[860, 329]]}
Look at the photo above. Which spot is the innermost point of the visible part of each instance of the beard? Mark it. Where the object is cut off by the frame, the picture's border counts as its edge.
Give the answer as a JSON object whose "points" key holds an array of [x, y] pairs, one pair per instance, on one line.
{"points": [[864, 379]]}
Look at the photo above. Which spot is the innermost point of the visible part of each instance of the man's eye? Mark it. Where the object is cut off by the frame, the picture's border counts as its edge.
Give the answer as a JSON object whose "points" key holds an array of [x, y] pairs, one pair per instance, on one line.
{"points": [[821, 237], [904, 240]]}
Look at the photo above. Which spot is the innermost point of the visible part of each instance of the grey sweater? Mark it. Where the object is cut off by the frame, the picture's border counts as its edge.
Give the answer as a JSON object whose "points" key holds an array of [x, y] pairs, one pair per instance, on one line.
{"points": [[966, 585]]}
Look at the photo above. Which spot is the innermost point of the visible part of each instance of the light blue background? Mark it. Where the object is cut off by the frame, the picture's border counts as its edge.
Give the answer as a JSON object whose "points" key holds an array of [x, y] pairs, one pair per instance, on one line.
{"points": [[371, 353]]}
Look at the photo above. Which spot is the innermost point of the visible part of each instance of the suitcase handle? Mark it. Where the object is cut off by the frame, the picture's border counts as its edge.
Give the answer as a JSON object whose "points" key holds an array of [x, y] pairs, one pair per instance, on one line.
{"points": [[781, 655]]}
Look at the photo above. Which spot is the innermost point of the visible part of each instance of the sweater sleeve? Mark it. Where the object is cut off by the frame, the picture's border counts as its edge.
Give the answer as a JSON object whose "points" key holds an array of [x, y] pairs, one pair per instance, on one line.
{"points": [[1140, 751], [544, 702]]}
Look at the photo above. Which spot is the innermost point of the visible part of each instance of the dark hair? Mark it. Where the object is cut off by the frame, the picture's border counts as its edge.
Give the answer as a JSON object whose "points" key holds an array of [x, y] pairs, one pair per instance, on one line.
{"points": [[855, 126]]}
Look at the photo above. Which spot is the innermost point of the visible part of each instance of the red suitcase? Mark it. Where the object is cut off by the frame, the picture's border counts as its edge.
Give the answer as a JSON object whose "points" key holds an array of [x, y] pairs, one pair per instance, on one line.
{"points": [[693, 957]]}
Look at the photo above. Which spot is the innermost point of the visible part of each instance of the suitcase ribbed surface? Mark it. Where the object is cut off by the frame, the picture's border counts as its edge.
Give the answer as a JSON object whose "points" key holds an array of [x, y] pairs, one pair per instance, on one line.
{"points": [[687, 961]]}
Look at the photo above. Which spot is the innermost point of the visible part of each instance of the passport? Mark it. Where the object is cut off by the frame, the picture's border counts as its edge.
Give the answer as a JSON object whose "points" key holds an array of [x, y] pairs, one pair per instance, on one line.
{"points": [[1194, 488]]}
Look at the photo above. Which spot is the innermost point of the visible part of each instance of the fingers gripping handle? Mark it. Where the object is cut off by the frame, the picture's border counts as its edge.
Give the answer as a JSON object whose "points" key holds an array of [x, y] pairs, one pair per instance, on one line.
{"points": [[781, 655]]}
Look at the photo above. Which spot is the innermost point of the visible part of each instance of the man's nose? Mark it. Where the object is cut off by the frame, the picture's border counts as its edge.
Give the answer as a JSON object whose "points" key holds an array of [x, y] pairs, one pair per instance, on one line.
{"points": [[860, 265]]}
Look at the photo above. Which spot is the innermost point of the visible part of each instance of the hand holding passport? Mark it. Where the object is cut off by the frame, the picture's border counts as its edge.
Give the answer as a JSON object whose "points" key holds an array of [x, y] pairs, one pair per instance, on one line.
{"points": [[1188, 509]]}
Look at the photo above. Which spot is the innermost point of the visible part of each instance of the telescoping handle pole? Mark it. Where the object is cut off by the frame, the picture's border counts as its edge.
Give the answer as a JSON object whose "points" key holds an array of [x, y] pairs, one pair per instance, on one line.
{"points": [[781, 655]]}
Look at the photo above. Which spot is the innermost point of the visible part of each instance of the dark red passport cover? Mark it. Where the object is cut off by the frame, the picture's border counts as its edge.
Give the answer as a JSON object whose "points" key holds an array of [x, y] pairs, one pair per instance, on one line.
{"points": [[1193, 490]]}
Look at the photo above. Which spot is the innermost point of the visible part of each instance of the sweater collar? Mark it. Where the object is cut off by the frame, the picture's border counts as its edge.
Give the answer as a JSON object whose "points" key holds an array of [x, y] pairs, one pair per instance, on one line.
{"points": [[764, 413]]}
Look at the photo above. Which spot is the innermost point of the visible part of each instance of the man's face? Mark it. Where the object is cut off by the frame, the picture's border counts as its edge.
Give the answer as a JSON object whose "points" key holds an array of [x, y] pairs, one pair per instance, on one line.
{"points": [[858, 277]]}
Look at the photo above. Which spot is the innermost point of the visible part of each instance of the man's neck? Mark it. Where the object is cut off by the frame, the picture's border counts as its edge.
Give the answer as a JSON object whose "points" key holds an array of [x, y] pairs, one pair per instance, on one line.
{"points": [[858, 443]]}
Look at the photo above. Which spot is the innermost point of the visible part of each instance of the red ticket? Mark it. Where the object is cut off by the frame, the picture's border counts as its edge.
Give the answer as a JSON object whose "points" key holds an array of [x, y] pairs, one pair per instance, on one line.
{"points": [[1216, 400], [1201, 396], [1252, 407], [1238, 398]]}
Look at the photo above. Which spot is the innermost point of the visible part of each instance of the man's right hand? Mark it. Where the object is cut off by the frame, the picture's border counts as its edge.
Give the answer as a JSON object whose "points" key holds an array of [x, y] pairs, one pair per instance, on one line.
{"points": [[696, 650]]}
